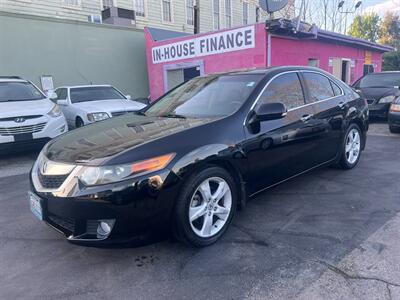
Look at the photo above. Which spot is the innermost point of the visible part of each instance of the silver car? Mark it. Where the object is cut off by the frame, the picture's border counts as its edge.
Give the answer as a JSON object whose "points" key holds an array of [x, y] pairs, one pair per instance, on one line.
{"points": [[86, 104]]}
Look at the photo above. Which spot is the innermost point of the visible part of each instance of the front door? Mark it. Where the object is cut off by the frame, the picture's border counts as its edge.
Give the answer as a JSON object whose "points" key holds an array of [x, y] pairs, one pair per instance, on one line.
{"points": [[281, 148]]}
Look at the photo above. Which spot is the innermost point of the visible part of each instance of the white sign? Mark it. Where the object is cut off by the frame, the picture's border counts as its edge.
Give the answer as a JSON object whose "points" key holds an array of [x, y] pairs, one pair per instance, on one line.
{"points": [[221, 42], [47, 82]]}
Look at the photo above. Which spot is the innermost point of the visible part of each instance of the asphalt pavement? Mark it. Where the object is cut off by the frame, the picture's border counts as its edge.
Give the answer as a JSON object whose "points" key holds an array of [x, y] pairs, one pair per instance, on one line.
{"points": [[329, 234]]}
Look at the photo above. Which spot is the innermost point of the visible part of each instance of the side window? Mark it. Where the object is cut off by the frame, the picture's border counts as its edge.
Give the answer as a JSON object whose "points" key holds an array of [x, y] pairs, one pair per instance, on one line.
{"points": [[336, 89], [319, 86], [61, 94], [286, 89]]}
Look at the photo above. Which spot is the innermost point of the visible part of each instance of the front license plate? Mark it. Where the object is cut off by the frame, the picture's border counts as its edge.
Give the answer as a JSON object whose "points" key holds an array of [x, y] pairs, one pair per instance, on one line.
{"points": [[36, 205], [23, 137]]}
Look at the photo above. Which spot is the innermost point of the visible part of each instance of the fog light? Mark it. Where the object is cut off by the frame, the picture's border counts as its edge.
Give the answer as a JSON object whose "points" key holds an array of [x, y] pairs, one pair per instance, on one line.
{"points": [[105, 226]]}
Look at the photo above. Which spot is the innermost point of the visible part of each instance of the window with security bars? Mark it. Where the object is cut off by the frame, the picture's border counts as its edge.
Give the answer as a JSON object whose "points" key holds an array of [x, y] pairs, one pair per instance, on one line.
{"points": [[216, 24], [73, 3], [166, 8], [245, 13], [228, 13], [139, 8], [107, 3], [190, 12]]}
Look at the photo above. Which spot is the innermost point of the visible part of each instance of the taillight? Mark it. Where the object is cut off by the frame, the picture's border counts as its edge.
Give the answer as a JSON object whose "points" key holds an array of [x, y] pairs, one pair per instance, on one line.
{"points": [[395, 107]]}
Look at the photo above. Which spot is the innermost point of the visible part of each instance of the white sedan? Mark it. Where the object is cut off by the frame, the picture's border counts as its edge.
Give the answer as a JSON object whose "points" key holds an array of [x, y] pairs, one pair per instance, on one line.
{"points": [[86, 104]]}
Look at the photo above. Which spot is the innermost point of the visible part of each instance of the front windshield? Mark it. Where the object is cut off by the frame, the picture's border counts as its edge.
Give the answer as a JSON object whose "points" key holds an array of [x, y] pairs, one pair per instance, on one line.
{"points": [[94, 93], [19, 91], [211, 96], [380, 80]]}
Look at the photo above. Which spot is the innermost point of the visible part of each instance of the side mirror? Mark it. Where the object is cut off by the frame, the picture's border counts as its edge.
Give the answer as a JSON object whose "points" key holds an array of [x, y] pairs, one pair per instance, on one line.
{"points": [[53, 96], [271, 111], [128, 97], [62, 102]]}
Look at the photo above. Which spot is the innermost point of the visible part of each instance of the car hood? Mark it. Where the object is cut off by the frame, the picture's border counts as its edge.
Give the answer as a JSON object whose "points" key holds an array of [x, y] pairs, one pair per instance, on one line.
{"points": [[95, 143], [25, 108], [112, 105], [379, 92]]}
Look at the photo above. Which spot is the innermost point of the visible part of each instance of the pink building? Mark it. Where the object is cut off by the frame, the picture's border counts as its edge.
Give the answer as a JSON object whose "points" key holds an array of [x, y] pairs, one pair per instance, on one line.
{"points": [[174, 57]]}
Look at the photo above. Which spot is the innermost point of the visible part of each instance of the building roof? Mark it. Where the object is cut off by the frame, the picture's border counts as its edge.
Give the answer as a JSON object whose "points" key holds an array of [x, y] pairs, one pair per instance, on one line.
{"points": [[351, 41], [158, 34], [285, 27]]}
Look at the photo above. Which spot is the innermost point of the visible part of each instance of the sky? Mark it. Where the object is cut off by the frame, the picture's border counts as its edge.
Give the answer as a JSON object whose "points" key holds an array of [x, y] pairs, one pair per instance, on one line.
{"points": [[381, 6]]}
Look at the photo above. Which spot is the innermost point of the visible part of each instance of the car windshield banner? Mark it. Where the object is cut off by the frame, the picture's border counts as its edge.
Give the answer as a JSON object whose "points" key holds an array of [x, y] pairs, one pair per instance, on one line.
{"points": [[221, 42]]}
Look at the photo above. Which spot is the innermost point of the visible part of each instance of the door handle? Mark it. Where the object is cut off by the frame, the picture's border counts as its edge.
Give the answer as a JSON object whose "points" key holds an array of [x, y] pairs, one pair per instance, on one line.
{"points": [[306, 118], [342, 104]]}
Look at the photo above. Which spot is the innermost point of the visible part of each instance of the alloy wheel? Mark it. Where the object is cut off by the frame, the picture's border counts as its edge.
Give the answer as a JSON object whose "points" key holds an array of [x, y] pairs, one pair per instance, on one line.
{"points": [[353, 146], [210, 207]]}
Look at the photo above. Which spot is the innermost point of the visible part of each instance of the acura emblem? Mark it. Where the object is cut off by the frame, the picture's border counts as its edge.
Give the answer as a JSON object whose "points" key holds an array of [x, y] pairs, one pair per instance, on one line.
{"points": [[19, 120]]}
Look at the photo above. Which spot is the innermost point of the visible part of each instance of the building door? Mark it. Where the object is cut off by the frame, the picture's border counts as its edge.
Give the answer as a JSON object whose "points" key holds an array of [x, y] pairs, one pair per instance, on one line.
{"points": [[342, 69], [345, 71], [177, 76]]}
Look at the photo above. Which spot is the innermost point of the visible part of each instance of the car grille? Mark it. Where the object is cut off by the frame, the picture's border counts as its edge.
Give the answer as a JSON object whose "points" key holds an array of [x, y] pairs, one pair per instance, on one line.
{"points": [[370, 101], [51, 181], [67, 224], [120, 113], [19, 117], [7, 131]]}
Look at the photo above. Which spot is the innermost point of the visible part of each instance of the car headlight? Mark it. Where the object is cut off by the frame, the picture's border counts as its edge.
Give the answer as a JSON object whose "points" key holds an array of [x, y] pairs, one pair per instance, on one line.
{"points": [[55, 111], [98, 116], [387, 99], [108, 174]]}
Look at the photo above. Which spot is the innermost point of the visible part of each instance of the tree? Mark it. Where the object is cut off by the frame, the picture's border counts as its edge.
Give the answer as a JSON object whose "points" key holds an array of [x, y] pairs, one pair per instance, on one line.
{"points": [[390, 30], [391, 61], [366, 27]]}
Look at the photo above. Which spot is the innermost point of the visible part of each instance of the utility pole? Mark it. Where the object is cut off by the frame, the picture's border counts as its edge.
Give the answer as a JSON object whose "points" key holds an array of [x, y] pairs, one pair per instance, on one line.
{"points": [[346, 12]]}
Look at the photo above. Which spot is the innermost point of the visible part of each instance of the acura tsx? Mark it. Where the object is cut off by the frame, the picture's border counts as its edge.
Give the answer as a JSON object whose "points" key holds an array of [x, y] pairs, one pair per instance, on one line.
{"points": [[193, 157]]}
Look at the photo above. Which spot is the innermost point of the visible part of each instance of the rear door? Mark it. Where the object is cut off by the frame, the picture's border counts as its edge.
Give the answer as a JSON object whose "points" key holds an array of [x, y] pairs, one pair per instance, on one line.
{"points": [[330, 107], [284, 147]]}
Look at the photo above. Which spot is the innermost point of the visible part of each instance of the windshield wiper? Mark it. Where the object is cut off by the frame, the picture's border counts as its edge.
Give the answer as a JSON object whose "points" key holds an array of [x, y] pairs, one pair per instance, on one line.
{"points": [[175, 116]]}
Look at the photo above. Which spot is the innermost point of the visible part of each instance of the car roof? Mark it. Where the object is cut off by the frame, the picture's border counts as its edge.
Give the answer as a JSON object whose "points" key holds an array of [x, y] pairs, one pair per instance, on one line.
{"points": [[384, 73], [4, 79], [83, 86]]}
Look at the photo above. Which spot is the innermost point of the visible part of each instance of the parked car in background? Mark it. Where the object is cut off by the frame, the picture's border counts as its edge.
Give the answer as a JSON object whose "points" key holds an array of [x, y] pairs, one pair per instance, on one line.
{"points": [[394, 116], [83, 105], [380, 89], [26, 114], [190, 159]]}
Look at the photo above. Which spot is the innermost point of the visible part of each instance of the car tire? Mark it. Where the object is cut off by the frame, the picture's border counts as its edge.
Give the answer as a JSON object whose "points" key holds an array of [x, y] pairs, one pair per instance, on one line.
{"points": [[351, 147], [394, 129], [200, 218], [79, 122]]}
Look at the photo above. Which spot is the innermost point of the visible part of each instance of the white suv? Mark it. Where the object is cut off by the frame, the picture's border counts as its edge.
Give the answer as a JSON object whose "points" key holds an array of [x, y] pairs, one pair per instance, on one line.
{"points": [[26, 114], [86, 104]]}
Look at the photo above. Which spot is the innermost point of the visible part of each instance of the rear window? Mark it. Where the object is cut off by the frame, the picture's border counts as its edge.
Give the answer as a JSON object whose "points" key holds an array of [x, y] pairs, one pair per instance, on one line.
{"points": [[94, 94], [19, 91], [380, 80]]}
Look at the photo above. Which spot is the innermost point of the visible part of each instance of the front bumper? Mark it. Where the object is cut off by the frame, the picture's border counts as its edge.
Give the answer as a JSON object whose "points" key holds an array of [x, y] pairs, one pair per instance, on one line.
{"points": [[379, 110], [138, 206], [394, 119], [43, 128]]}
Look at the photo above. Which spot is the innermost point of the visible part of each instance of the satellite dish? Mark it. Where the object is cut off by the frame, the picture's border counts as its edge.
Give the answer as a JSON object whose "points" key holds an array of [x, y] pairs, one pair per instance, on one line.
{"points": [[273, 5]]}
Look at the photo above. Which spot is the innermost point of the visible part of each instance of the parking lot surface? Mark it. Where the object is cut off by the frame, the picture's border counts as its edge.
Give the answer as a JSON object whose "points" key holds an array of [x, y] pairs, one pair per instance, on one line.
{"points": [[329, 234]]}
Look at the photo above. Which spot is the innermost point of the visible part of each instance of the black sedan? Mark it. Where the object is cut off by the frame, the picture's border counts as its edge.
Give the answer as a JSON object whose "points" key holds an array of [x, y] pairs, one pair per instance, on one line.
{"points": [[380, 89], [189, 160], [394, 116]]}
